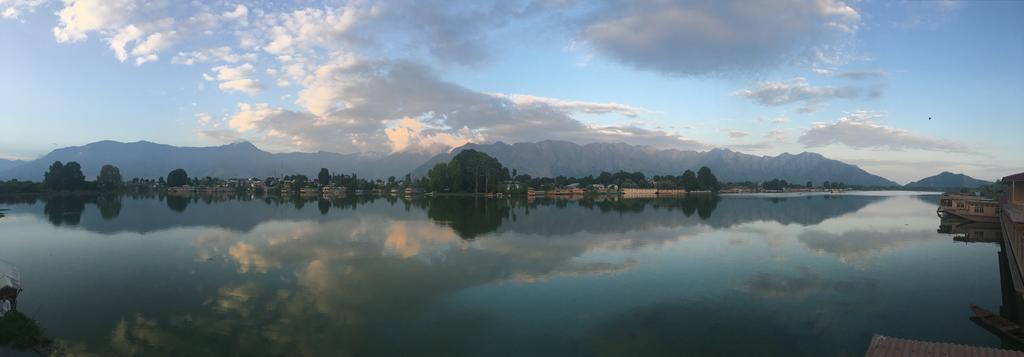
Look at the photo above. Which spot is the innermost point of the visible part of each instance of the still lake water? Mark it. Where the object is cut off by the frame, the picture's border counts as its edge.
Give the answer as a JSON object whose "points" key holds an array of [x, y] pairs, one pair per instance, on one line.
{"points": [[730, 275]]}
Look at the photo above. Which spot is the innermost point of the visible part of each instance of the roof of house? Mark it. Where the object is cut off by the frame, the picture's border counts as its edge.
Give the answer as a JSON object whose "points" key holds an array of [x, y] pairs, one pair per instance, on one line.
{"points": [[890, 346], [1014, 177]]}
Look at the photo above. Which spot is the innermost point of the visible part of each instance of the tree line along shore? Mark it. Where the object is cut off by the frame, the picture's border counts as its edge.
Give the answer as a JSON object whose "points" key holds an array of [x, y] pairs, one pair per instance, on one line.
{"points": [[469, 172]]}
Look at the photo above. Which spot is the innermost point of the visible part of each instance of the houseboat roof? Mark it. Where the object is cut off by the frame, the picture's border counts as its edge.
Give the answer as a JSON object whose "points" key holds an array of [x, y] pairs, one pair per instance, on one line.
{"points": [[1014, 177], [9, 276], [890, 346]]}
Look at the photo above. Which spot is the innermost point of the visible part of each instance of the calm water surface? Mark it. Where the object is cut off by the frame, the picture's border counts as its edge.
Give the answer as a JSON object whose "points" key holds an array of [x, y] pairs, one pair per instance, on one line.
{"points": [[731, 275]]}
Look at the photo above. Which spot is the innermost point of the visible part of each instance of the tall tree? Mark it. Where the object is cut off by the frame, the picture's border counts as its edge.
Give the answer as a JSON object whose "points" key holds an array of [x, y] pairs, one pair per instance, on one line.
{"points": [[689, 181], [64, 177], [324, 177], [177, 178], [110, 178], [707, 180], [53, 178]]}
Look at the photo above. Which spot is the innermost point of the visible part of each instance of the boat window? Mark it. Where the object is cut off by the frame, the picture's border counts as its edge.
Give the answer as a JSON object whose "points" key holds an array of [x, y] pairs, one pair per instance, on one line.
{"points": [[960, 204], [979, 209]]}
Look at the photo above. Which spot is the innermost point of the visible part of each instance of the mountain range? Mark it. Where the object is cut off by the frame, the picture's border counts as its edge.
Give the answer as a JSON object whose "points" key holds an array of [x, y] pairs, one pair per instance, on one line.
{"points": [[7, 164], [946, 180], [545, 158], [554, 158], [243, 159]]}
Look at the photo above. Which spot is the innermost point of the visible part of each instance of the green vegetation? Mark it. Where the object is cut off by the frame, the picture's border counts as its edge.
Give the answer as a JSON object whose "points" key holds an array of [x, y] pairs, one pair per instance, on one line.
{"points": [[469, 171], [20, 332], [324, 178], [61, 177], [177, 178], [475, 172], [110, 178], [15, 186]]}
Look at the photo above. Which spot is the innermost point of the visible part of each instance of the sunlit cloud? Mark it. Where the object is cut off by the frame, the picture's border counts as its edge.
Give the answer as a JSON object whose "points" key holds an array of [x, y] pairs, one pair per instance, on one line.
{"points": [[863, 129]]}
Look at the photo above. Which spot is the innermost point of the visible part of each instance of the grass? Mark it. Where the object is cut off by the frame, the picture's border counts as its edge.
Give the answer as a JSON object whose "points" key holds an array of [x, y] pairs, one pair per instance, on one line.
{"points": [[21, 332]]}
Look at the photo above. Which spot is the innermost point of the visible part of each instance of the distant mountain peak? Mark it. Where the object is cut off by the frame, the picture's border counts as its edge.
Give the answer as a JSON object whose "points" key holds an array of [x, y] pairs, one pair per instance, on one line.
{"points": [[948, 180]]}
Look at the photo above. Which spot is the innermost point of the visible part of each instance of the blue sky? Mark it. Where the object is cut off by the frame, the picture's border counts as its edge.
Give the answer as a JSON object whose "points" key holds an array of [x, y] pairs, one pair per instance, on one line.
{"points": [[855, 81]]}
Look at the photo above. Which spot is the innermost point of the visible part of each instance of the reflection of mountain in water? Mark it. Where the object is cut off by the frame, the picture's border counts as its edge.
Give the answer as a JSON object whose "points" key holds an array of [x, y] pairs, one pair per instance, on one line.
{"points": [[713, 211], [469, 217]]}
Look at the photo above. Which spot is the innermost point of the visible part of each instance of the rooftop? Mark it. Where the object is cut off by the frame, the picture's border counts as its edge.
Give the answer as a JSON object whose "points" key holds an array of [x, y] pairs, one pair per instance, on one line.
{"points": [[891, 346]]}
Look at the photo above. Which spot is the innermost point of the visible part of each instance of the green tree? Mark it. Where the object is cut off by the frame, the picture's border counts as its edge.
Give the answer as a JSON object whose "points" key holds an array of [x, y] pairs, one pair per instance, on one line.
{"points": [[110, 178], [476, 172], [299, 181], [177, 178], [64, 177], [689, 181], [324, 177], [53, 178], [707, 180], [809, 184]]}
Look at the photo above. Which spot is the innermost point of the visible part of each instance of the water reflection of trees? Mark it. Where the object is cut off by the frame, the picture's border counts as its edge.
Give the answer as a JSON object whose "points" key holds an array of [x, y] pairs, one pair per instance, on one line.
{"points": [[65, 210], [469, 217], [177, 203]]}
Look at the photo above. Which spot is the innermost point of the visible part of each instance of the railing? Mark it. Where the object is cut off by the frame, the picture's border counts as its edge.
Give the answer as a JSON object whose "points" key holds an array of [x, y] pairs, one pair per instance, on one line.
{"points": [[1012, 222]]}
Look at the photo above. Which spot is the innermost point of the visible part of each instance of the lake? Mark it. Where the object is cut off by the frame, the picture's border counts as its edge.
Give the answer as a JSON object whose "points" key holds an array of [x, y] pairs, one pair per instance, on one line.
{"points": [[813, 274]]}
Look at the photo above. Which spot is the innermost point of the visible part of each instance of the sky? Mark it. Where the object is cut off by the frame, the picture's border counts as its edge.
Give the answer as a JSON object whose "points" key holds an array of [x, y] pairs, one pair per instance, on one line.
{"points": [[903, 89]]}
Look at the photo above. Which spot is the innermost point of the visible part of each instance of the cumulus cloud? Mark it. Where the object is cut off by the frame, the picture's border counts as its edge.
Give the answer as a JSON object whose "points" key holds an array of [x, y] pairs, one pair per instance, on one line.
{"points": [[864, 130], [798, 90], [411, 135], [237, 78], [355, 105], [79, 17], [13, 9], [694, 38]]}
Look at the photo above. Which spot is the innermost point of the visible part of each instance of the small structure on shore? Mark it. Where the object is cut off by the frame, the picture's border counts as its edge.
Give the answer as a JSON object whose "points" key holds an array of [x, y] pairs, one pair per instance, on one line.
{"points": [[10, 284]]}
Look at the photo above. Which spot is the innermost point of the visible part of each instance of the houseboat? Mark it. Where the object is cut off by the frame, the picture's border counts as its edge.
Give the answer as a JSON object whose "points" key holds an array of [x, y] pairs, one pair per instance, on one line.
{"points": [[414, 191], [10, 285], [972, 208]]}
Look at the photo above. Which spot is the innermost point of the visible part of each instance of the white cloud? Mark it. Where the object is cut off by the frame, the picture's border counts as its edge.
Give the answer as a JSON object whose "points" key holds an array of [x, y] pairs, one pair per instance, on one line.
{"points": [[146, 50], [204, 119], [863, 130], [356, 105], [574, 105], [798, 90], [237, 78], [121, 39], [693, 38], [240, 14], [409, 134], [13, 9], [79, 17], [852, 74], [217, 54]]}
